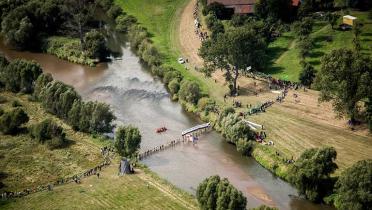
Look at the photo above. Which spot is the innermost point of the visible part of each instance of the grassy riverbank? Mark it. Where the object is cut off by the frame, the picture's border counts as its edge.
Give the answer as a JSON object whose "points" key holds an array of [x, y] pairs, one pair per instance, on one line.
{"points": [[68, 49], [27, 164], [292, 126]]}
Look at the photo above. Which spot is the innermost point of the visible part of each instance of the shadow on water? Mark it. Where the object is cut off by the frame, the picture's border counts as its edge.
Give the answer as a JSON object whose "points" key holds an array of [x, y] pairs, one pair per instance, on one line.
{"points": [[140, 99]]}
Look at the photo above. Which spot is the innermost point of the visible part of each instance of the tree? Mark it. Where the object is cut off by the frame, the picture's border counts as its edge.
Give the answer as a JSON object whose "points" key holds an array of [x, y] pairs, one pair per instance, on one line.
{"points": [[41, 82], [357, 30], [307, 74], [216, 193], [245, 147], [276, 9], [127, 141], [234, 51], [20, 75], [12, 120], [234, 129], [311, 172], [305, 44], [49, 132], [332, 19], [189, 91], [80, 11], [174, 86], [345, 79], [263, 207], [354, 187], [95, 45], [304, 27]]}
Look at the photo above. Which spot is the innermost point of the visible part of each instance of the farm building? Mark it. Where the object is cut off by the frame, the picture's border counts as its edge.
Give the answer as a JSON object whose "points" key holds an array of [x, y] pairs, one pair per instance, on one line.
{"points": [[243, 6], [349, 20]]}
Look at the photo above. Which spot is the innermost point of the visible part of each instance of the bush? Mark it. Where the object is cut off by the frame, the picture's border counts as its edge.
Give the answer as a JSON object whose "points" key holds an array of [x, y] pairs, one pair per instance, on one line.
{"points": [[233, 129], [1, 111], [114, 11], [216, 193], [174, 86], [171, 74], [189, 91], [207, 105], [95, 45], [124, 22], [41, 82], [20, 75], [3, 99], [16, 103], [245, 147], [12, 120], [136, 34], [149, 53], [48, 132]]}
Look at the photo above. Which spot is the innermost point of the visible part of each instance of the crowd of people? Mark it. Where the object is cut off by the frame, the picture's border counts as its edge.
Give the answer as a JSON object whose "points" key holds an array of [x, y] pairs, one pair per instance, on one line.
{"points": [[105, 151], [198, 27]]}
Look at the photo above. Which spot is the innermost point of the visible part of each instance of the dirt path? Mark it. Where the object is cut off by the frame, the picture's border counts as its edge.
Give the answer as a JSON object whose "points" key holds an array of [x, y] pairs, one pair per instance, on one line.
{"points": [[189, 42]]}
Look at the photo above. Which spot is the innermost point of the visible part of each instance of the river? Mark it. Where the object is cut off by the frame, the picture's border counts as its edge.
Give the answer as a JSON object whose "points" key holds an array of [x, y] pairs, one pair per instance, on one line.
{"points": [[140, 99]]}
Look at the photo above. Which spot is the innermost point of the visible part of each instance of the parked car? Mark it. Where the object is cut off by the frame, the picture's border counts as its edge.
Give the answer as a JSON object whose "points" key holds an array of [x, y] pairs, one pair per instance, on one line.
{"points": [[181, 60]]}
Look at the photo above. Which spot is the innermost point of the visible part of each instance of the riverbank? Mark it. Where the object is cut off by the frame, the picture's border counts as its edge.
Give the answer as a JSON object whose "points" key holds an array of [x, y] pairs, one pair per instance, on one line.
{"points": [[293, 126], [67, 48], [27, 164]]}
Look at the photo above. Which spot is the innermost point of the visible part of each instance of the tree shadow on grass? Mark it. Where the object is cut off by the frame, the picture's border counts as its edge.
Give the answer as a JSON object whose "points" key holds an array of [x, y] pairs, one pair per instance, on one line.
{"points": [[316, 54], [314, 63], [367, 34]]}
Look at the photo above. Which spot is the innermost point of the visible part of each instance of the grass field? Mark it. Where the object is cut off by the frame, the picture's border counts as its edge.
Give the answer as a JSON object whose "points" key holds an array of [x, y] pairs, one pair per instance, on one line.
{"points": [[283, 52], [139, 191], [25, 163]]}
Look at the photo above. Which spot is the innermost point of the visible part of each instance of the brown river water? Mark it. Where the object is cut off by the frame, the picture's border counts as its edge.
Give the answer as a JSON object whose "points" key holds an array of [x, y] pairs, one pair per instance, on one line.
{"points": [[142, 100]]}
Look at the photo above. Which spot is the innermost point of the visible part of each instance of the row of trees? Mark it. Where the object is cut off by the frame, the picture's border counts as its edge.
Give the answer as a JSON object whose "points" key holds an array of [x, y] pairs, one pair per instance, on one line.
{"points": [[140, 42], [311, 174], [56, 97]]}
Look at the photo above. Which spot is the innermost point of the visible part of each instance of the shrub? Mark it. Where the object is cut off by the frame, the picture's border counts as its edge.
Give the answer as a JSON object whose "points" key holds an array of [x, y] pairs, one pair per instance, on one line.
{"points": [[48, 132], [114, 11], [245, 147], [149, 53], [234, 129], [171, 74], [216, 193], [1, 111], [207, 105], [95, 45], [20, 75], [189, 91], [12, 120], [136, 34], [174, 86], [41, 82], [124, 22], [16, 103], [3, 99]]}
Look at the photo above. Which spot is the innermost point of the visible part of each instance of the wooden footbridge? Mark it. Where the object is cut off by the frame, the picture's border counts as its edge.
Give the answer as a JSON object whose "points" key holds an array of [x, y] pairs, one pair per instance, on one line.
{"points": [[187, 135]]}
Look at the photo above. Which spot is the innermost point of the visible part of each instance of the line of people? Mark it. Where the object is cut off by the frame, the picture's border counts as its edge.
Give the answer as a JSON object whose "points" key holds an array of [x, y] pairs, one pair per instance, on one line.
{"points": [[198, 29], [76, 178]]}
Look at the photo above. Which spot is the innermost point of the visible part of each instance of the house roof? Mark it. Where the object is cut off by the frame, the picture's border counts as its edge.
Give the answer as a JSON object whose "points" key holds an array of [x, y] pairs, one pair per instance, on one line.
{"points": [[244, 9]]}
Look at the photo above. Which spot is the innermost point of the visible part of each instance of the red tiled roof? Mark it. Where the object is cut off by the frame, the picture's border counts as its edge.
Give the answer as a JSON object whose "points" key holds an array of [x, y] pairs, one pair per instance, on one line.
{"points": [[244, 9], [296, 3]]}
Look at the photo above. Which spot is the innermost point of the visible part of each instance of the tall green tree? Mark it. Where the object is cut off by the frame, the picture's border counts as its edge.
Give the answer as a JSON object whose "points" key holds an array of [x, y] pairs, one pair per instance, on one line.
{"points": [[307, 74], [189, 91], [345, 79], [127, 141], [216, 193], [311, 173], [354, 187], [234, 51], [95, 45]]}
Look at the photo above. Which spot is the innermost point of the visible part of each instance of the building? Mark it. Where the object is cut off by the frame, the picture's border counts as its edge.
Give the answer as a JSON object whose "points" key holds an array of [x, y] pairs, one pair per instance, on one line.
{"points": [[239, 6], [243, 6], [349, 20]]}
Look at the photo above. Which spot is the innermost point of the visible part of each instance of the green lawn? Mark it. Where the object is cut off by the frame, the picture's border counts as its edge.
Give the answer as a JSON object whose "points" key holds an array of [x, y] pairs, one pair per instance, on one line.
{"points": [[161, 17], [283, 52]]}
